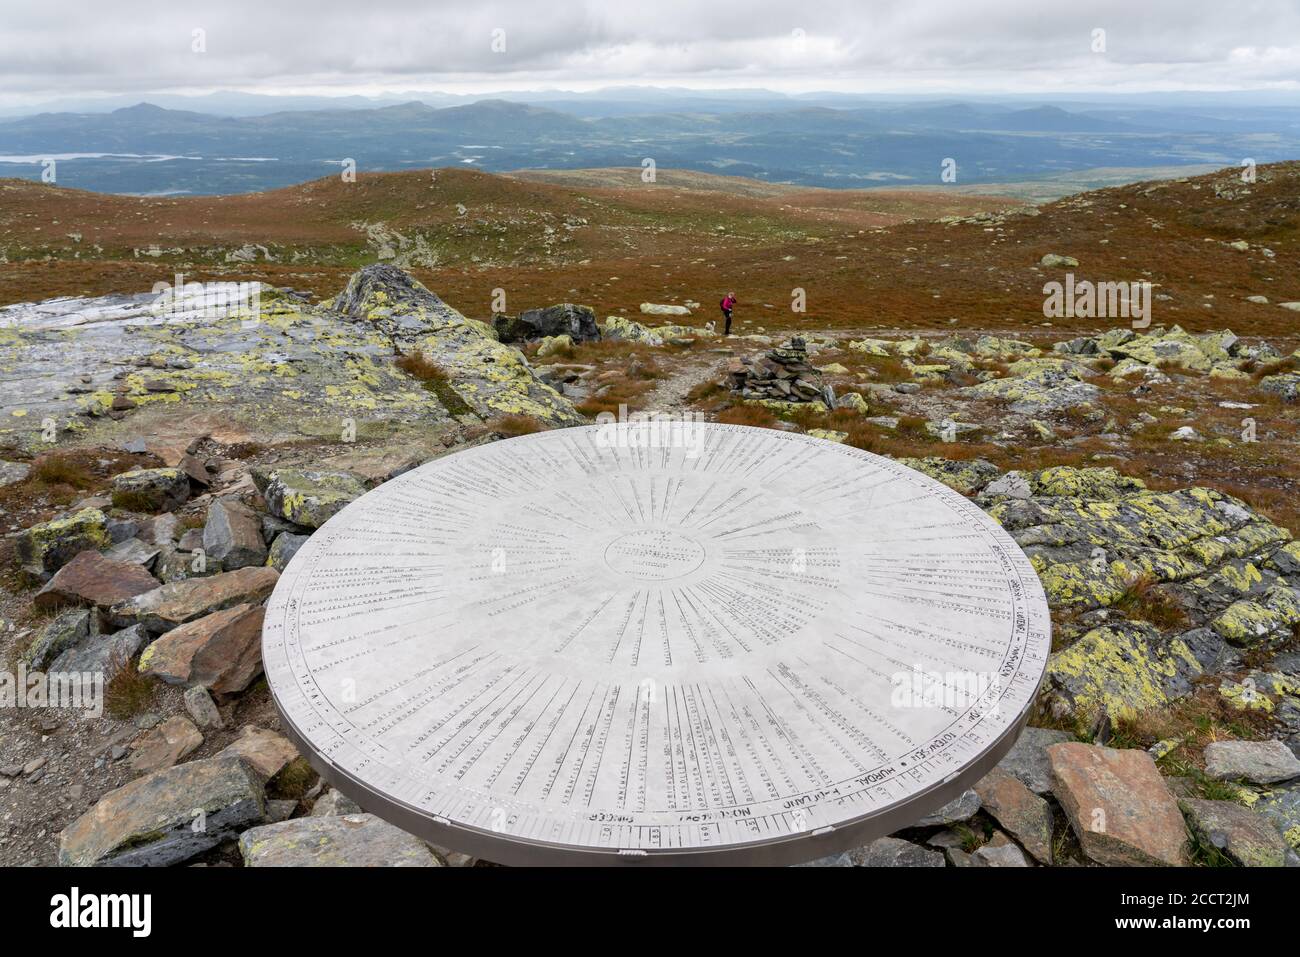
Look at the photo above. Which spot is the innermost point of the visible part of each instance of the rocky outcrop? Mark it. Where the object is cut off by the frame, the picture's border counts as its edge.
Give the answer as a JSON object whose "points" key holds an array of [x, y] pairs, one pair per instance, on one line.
{"points": [[283, 370]]}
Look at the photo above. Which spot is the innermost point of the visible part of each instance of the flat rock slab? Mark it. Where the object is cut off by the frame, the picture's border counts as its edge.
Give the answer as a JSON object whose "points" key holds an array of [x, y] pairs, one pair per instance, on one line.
{"points": [[1258, 762], [165, 745], [93, 579], [179, 602], [1022, 813], [352, 840], [1247, 838], [221, 651], [1118, 805], [150, 821]]}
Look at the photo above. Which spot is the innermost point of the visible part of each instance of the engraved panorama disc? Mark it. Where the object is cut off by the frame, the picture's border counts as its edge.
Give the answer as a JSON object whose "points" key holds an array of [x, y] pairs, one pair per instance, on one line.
{"points": [[656, 644]]}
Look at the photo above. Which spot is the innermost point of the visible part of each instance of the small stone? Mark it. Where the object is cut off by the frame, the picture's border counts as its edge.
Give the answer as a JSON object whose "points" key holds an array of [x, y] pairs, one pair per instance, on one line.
{"points": [[165, 745], [133, 551], [353, 840], [200, 706], [1025, 816], [1028, 759], [1256, 762], [1052, 260], [34, 765], [892, 852], [277, 811], [999, 855], [333, 803], [961, 808]]}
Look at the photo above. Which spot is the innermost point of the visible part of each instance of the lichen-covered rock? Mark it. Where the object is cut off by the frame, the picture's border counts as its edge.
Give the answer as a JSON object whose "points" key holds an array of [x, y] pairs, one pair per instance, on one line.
{"points": [[170, 605], [152, 820], [1282, 807], [622, 329], [306, 496], [967, 476], [1122, 669], [492, 378], [51, 545], [1286, 385], [283, 549], [351, 840], [232, 534], [1036, 393], [64, 632], [1246, 838], [151, 490], [1248, 621]]}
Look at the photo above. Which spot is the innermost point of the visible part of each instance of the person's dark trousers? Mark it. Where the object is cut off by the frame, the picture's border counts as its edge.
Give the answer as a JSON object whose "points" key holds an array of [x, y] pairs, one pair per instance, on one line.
{"points": [[727, 330]]}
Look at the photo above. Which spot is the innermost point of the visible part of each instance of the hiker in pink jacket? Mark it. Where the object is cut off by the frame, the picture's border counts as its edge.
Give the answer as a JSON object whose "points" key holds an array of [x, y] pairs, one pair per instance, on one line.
{"points": [[728, 303]]}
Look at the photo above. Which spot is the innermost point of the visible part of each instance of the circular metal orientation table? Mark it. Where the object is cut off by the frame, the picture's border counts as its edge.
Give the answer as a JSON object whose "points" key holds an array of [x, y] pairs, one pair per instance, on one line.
{"points": [[656, 643]]}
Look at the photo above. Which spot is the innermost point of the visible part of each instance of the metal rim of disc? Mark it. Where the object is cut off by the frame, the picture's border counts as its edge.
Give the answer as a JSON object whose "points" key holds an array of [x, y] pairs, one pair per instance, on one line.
{"points": [[304, 714]]}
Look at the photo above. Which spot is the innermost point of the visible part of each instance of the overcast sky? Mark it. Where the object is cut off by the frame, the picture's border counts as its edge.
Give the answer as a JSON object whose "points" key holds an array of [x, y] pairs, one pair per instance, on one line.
{"points": [[55, 48]]}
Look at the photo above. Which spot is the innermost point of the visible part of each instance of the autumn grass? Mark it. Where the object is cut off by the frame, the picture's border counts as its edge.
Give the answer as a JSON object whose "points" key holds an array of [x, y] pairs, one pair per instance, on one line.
{"points": [[129, 693], [1144, 599]]}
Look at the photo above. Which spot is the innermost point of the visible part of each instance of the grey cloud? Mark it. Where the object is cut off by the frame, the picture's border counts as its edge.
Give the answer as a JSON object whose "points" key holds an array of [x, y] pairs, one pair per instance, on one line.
{"points": [[59, 47]]}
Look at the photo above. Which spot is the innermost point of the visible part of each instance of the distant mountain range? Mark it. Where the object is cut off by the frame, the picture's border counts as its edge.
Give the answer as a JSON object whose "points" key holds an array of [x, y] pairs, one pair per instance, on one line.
{"points": [[147, 148]]}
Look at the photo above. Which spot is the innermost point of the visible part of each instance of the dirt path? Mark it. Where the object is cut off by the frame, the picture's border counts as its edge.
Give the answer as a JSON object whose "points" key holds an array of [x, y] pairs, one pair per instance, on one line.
{"points": [[687, 371]]}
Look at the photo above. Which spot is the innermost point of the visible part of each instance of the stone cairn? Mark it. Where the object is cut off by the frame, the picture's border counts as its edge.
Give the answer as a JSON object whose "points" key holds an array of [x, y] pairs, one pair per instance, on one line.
{"points": [[783, 374]]}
